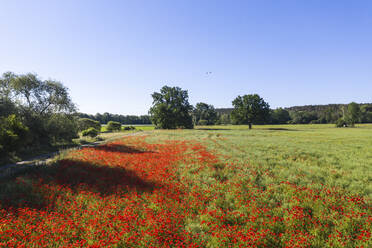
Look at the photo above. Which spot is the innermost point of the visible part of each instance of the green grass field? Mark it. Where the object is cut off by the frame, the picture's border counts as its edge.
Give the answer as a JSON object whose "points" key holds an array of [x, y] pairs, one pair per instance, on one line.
{"points": [[303, 154], [212, 187]]}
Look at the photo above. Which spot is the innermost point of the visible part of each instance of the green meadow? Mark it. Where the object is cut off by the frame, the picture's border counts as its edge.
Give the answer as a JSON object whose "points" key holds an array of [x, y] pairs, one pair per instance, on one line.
{"points": [[309, 155]]}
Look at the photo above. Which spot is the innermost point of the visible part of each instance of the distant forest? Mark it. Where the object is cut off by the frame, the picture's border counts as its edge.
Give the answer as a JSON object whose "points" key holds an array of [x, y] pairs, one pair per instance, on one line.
{"points": [[307, 114], [123, 119]]}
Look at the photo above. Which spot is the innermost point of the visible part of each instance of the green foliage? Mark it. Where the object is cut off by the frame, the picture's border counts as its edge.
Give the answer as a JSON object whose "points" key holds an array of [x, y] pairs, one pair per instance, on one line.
{"points": [[302, 117], [61, 128], [202, 122], [39, 97], [91, 132], [123, 119], [13, 134], [205, 113], [224, 119], [85, 123], [171, 108], [113, 126], [280, 116], [353, 113], [249, 109], [341, 123], [44, 107]]}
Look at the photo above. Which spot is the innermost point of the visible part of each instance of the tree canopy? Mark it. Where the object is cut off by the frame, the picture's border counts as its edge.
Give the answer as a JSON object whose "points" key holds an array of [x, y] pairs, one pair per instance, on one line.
{"points": [[171, 108], [249, 109]]}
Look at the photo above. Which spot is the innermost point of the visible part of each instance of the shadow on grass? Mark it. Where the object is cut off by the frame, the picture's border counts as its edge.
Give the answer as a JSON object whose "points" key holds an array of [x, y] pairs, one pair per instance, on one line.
{"points": [[213, 129], [101, 179], [33, 190], [280, 129]]}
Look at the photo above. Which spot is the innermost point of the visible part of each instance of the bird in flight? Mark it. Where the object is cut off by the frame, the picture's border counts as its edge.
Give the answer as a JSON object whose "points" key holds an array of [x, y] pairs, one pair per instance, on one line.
{"points": [[208, 72]]}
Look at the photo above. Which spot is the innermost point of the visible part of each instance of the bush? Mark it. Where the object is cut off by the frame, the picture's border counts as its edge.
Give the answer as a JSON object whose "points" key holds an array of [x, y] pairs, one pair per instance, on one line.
{"points": [[113, 126], [85, 123], [91, 132], [341, 123], [202, 122]]}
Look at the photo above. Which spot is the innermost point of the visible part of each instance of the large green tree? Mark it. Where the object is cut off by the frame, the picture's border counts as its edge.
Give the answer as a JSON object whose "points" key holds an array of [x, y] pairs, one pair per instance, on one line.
{"points": [[249, 109], [171, 108], [204, 113], [33, 95]]}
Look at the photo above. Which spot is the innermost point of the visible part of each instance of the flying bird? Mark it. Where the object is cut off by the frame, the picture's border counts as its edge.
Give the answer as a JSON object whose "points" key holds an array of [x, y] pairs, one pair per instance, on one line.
{"points": [[208, 72]]}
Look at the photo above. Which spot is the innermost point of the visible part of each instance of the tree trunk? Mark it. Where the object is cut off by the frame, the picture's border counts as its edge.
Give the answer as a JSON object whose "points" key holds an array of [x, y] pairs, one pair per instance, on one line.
{"points": [[250, 125]]}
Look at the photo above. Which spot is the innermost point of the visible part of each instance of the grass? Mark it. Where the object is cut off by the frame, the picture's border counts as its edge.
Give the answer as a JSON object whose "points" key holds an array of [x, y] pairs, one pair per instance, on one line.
{"points": [[317, 154], [214, 186]]}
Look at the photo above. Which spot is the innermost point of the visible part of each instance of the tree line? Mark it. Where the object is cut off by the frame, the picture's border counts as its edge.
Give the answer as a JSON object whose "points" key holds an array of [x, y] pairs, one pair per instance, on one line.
{"points": [[171, 109], [123, 119], [309, 114]]}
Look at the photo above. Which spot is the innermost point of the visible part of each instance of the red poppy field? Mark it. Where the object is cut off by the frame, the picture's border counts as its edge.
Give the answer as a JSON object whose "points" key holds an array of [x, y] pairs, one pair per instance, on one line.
{"points": [[173, 193]]}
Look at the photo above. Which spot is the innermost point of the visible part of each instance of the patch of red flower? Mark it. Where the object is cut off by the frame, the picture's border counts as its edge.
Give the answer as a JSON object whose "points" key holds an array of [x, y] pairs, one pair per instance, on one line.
{"points": [[130, 193]]}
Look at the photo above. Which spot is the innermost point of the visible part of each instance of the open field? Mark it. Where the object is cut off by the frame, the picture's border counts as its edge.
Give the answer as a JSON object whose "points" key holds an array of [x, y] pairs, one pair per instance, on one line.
{"points": [[216, 186]]}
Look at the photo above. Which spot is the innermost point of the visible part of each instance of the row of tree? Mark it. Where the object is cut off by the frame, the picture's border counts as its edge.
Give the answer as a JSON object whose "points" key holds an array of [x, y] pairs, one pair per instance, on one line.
{"points": [[312, 114], [171, 109]]}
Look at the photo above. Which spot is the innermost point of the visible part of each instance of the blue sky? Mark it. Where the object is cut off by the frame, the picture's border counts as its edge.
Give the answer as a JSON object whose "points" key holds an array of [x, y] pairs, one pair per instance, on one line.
{"points": [[113, 54]]}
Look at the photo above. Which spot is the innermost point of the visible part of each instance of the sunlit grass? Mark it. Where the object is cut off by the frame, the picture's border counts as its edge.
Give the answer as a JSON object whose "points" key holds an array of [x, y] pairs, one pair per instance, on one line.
{"points": [[272, 186]]}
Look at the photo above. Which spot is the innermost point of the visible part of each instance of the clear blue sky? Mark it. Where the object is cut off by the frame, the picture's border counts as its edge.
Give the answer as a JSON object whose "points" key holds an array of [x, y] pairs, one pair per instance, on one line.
{"points": [[113, 54]]}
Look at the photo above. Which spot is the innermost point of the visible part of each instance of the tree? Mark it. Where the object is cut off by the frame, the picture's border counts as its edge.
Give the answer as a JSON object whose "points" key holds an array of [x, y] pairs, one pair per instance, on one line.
{"points": [[171, 108], [249, 109], [204, 113], [224, 119], [353, 113], [38, 97]]}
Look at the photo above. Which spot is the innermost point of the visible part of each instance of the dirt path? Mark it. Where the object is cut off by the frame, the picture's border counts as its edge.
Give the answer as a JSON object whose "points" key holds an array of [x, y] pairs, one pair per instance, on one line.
{"points": [[45, 159]]}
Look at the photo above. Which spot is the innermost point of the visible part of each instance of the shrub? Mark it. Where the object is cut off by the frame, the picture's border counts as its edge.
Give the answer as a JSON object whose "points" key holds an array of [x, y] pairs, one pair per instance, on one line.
{"points": [[91, 132], [85, 123], [113, 126], [341, 123]]}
